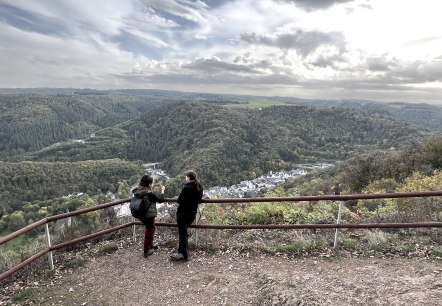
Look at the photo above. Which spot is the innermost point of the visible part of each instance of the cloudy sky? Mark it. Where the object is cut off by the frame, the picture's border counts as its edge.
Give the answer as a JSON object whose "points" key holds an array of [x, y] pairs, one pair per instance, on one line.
{"points": [[385, 50]]}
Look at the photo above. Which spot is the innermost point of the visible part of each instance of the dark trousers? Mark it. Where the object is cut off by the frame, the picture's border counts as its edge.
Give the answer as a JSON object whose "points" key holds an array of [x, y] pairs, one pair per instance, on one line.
{"points": [[148, 233], [184, 221]]}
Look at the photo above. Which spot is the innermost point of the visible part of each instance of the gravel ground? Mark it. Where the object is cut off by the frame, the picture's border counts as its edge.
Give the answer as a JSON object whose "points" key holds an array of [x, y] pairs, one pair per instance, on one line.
{"points": [[125, 277]]}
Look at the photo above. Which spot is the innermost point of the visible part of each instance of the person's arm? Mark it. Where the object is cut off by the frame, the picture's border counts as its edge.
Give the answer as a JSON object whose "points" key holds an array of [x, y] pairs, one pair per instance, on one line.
{"points": [[157, 199]]}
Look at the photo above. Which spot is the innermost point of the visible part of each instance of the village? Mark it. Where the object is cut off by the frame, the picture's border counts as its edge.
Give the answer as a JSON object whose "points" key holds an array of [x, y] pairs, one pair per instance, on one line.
{"points": [[244, 189], [248, 188]]}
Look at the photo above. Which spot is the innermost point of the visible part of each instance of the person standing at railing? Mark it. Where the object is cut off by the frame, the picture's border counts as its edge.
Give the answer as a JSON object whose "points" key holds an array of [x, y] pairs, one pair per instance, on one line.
{"points": [[188, 201], [150, 200]]}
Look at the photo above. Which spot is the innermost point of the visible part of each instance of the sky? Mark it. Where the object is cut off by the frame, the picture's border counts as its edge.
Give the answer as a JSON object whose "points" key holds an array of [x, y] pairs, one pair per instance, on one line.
{"points": [[382, 50]]}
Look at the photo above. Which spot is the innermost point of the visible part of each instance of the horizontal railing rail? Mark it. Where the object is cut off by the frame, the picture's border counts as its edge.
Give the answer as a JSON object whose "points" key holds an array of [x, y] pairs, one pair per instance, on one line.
{"points": [[341, 198]]}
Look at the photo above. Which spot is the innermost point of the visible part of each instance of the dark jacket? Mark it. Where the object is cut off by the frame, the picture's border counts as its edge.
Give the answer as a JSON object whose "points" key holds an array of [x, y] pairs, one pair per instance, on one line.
{"points": [[189, 198], [150, 200]]}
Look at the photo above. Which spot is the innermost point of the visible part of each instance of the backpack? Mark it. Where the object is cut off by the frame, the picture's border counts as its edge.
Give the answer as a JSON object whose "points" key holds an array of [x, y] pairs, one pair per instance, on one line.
{"points": [[136, 208]]}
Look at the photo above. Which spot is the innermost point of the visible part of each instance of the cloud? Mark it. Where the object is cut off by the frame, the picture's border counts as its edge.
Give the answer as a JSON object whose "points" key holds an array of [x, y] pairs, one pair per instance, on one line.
{"points": [[214, 65], [304, 42], [418, 72], [39, 23], [312, 5], [298, 47], [380, 63]]}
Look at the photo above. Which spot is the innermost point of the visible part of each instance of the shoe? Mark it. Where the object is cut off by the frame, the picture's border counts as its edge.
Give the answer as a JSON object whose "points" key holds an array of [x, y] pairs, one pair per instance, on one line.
{"points": [[177, 256], [155, 246], [148, 253]]}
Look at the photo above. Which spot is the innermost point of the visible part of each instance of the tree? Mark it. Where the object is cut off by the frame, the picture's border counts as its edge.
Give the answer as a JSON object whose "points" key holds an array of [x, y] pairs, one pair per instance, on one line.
{"points": [[16, 221], [123, 190]]}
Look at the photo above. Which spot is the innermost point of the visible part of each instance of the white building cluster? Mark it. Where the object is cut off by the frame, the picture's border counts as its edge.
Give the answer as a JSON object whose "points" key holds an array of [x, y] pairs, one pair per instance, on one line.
{"points": [[251, 188], [248, 188]]}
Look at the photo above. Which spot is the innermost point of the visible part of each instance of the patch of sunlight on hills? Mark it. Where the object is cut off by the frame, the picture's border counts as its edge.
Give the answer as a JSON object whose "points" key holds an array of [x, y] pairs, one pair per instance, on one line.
{"points": [[256, 104]]}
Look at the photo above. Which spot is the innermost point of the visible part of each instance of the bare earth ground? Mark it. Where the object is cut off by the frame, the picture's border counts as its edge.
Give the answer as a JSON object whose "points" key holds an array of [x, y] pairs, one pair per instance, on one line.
{"points": [[230, 277]]}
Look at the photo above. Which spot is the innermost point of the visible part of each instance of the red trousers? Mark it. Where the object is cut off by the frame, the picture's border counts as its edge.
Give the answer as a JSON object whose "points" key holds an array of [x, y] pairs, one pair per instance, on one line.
{"points": [[148, 233]]}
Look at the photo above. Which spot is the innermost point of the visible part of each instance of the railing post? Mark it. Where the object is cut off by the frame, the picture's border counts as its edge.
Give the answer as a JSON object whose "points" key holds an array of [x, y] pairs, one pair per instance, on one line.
{"points": [[48, 241], [338, 221], [197, 218], [134, 236]]}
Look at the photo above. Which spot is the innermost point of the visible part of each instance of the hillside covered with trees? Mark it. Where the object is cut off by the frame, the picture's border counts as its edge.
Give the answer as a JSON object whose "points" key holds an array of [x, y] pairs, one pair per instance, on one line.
{"points": [[92, 142], [30, 122], [228, 145]]}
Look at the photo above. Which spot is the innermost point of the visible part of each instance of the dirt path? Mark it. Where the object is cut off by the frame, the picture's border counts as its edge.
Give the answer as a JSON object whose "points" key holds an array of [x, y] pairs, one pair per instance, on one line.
{"points": [[126, 278]]}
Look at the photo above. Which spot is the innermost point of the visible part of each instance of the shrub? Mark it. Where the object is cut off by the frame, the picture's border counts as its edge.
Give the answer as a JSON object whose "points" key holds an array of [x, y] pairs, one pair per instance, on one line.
{"points": [[76, 263], [301, 247], [264, 213], [378, 240], [214, 214], [349, 244], [108, 249]]}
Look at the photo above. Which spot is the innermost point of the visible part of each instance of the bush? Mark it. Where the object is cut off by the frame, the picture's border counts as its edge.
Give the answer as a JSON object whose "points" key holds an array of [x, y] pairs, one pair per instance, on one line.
{"points": [[349, 244], [108, 249], [76, 263], [378, 240]]}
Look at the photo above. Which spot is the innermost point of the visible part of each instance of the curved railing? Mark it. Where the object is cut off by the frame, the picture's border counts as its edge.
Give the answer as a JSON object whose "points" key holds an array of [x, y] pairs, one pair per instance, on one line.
{"points": [[341, 198]]}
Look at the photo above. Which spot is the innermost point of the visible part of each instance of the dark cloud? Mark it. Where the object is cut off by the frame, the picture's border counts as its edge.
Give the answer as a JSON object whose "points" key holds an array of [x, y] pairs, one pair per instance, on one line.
{"points": [[380, 64], [313, 5], [418, 72], [217, 66], [324, 61], [214, 80], [302, 41]]}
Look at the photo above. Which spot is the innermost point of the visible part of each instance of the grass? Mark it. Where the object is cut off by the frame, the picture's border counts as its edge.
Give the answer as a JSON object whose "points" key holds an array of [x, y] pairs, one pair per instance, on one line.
{"points": [[24, 295], [64, 298], [437, 251], [377, 240], [210, 249], [407, 247], [298, 248], [349, 244], [76, 263], [292, 285], [108, 249], [49, 274], [13, 244], [209, 277]]}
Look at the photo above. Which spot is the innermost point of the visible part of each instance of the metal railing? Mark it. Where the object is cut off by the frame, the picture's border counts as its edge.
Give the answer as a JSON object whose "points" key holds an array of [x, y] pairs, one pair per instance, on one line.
{"points": [[342, 198]]}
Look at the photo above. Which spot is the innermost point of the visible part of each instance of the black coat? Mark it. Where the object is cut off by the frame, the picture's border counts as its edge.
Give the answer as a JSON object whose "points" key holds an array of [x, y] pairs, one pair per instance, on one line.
{"points": [[189, 198]]}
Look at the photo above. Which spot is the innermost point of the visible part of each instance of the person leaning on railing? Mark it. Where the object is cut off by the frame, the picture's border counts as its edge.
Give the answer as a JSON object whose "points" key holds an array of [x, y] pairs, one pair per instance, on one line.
{"points": [[188, 201], [150, 200]]}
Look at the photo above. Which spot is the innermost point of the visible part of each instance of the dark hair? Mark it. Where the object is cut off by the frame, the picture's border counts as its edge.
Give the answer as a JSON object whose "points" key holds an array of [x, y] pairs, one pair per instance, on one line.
{"points": [[145, 181], [192, 176]]}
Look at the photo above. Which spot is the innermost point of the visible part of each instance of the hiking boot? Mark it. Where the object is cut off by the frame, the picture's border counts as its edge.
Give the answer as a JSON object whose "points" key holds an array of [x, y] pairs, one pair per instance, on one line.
{"points": [[177, 256], [148, 253]]}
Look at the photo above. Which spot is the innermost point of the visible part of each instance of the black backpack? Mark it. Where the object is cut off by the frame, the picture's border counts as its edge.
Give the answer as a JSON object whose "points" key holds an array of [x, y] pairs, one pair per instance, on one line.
{"points": [[137, 208]]}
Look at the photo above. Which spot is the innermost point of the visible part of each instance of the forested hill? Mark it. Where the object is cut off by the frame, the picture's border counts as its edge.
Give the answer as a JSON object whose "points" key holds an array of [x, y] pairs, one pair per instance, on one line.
{"points": [[228, 145], [30, 122]]}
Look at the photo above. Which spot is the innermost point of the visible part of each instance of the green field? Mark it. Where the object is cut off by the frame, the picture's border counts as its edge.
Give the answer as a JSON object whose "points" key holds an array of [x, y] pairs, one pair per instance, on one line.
{"points": [[256, 104]]}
